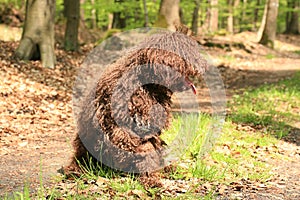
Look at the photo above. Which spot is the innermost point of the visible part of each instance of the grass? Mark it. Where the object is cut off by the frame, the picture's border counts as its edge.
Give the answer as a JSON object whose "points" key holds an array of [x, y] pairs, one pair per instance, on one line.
{"points": [[258, 118], [297, 52], [270, 56], [270, 107]]}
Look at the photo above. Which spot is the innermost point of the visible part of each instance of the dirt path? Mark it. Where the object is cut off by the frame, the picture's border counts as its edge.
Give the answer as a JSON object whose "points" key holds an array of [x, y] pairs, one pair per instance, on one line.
{"points": [[36, 123]]}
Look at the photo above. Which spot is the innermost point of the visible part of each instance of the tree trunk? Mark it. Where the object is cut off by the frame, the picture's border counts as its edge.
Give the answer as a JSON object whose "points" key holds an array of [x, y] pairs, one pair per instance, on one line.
{"points": [[236, 19], [214, 14], [146, 13], [288, 16], [38, 34], [110, 21], [168, 15], [72, 13], [255, 19], [93, 15], [119, 21], [230, 16], [195, 20], [206, 15], [181, 16], [293, 20], [244, 14], [267, 31]]}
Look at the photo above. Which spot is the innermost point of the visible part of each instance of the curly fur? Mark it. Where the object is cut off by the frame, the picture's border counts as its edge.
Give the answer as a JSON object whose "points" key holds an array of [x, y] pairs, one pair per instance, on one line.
{"points": [[131, 123]]}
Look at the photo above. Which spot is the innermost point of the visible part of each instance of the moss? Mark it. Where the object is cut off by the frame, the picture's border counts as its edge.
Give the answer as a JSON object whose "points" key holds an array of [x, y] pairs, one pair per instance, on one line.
{"points": [[161, 22]]}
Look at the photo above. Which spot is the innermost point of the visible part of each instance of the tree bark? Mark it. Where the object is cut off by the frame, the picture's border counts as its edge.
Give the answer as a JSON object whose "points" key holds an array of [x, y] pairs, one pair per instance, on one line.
{"points": [[267, 33], [146, 13], [255, 19], [93, 15], [72, 13], [293, 18], [119, 21], [37, 40], [244, 14], [288, 15], [168, 16], [110, 21], [181, 16], [195, 20], [206, 15], [230, 16], [214, 15], [236, 19]]}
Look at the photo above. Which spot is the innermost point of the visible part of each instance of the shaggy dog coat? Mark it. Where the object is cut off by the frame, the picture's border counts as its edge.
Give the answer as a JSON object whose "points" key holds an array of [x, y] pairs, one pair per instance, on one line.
{"points": [[123, 116]]}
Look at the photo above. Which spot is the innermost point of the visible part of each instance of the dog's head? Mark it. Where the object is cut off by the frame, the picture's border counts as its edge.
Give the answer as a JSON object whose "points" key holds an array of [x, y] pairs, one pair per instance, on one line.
{"points": [[169, 59]]}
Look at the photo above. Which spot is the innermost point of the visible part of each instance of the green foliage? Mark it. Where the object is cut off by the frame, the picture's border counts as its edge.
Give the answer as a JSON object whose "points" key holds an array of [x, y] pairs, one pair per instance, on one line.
{"points": [[132, 10], [282, 12], [270, 56], [23, 195], [15, 3], [205, 172], [99, 13], [59, 10]]}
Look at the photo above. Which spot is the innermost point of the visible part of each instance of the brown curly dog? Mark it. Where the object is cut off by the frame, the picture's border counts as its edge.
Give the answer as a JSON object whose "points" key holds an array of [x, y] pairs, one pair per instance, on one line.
{"points": [[123, 117]]}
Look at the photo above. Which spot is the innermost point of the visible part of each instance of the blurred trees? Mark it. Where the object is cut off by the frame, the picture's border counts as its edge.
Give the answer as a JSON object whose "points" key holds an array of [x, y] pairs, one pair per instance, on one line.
{"points": [[202, 16], [232, 19], [292, 16]]}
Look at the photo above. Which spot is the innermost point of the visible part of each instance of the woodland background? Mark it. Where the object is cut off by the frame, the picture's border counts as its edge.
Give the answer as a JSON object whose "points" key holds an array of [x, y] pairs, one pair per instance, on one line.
{"points": [[258, 155]]}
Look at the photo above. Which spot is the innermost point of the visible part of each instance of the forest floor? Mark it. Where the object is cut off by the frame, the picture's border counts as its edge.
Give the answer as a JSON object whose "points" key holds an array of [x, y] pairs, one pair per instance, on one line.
{"points": [[37, 125]]}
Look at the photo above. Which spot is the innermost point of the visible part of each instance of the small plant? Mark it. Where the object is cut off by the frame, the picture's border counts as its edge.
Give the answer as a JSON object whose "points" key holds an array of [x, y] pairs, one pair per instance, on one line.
{"points": [[25, 195], [205, 172], [270, 56], [297, 52]]}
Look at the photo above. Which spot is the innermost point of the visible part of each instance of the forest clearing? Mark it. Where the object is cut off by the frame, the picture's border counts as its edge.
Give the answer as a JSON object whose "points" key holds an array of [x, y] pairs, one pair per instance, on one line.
{"points": [[257, 155]]}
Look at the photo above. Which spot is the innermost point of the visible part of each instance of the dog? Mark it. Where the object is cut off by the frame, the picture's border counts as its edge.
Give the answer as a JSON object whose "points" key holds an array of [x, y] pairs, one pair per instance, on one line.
{"points": [[123, 116]]}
